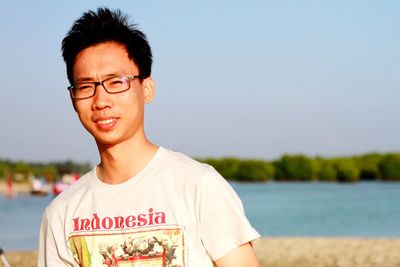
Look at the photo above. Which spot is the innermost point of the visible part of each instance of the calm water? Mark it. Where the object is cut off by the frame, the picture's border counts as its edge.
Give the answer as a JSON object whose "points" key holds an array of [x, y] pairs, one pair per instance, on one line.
{"points": [[367, 209], [275, 209]]}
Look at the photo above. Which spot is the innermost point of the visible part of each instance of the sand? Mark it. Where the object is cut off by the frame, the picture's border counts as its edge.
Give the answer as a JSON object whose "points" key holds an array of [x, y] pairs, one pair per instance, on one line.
{"points": [[297, 252], [18, 188], [328, 252], [21, 258]]}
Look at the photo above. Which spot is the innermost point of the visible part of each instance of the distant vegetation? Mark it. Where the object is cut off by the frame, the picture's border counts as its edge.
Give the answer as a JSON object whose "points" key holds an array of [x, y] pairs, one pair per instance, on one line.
{"points": [[21, 170], [374, 166]]}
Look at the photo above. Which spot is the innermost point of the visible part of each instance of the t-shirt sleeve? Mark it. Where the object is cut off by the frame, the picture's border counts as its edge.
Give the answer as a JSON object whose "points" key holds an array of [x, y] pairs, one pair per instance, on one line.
{"points": [[223, 224], [48, 255]]}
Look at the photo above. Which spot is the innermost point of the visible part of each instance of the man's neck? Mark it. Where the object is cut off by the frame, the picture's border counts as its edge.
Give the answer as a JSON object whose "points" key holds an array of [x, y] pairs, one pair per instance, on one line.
{"points": [[122, 161]]}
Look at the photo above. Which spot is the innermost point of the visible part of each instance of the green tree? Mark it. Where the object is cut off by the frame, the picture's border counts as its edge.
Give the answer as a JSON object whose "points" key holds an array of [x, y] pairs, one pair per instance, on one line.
{"points": [[4, 169], [50, 172], [72, 167], [326, 170], [389, 167], [368, 165], [294, 167], [254, 171], [20, 170], [347, 170]]}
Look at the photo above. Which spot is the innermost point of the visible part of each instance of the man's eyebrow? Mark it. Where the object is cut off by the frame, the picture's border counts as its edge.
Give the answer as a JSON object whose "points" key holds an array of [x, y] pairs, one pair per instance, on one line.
{"points": [[89, 79], [84, 79]]}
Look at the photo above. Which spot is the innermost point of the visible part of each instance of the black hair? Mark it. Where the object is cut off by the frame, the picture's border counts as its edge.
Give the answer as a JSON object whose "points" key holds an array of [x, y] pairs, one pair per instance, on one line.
{"points": [[106, 26]]}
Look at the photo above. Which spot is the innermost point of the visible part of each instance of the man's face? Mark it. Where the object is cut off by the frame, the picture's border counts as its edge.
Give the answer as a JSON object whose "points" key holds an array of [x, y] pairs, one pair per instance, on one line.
{"points": [[111, 118]]}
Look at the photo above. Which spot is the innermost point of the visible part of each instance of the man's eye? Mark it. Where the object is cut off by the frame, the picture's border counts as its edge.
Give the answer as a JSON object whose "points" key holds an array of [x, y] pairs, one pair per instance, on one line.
{"points": [[116, 82], [84, 87]]}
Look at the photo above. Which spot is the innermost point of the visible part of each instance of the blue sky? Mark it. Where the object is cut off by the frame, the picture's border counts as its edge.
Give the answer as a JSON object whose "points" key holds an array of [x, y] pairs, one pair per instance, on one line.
{"points": [[252, 79]]}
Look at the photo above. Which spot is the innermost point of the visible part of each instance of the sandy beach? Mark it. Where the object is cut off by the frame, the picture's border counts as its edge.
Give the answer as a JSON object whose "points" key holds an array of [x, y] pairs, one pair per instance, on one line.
{"points": [[328, 252], [18, 188], [297, 252]]}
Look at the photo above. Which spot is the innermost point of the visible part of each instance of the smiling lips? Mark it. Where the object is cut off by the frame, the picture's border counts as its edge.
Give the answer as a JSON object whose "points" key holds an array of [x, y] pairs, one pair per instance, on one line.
{"points": [[106, 124]]}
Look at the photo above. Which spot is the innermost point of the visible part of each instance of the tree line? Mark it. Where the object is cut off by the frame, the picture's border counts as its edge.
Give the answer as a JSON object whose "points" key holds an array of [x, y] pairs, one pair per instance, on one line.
{"points": [[373, 166], [21, 170]]}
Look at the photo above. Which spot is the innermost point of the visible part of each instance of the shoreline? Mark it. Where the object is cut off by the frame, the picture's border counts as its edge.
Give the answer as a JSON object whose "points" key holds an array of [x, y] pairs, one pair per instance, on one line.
{"points": [[18, 188], [297, 252]]}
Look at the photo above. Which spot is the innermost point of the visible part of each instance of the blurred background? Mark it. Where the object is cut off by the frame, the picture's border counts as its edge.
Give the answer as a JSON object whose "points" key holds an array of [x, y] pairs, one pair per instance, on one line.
{"points": [[253, 79], [262, 90]]}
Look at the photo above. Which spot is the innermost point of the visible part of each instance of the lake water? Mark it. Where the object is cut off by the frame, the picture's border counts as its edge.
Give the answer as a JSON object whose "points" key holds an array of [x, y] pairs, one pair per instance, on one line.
{"points": [[367, 209]]}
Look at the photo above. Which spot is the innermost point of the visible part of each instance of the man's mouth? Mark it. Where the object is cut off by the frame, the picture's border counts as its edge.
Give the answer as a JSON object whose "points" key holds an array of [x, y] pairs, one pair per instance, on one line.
{"points": [[106, 124]]}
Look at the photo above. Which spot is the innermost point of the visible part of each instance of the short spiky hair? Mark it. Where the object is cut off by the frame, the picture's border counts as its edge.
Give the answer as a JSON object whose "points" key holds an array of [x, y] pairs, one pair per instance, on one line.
{"points": [[106, 26]]}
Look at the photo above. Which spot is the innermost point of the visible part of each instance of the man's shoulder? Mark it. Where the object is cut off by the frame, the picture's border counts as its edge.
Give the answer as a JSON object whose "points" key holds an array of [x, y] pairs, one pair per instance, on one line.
{"points": [[189, 167], [178, 159]]}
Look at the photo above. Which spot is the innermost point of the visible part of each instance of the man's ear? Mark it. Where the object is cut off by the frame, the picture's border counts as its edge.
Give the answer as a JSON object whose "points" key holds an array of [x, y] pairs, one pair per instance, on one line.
{"points": [[148, 89]]}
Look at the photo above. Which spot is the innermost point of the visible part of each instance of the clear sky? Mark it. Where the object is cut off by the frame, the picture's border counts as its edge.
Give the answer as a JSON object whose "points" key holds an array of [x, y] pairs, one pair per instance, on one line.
{"points": [[252, 79]]}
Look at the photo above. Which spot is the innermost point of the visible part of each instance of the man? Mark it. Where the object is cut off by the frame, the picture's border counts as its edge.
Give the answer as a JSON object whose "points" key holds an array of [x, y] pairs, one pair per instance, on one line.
{"points": [[143, 205]]}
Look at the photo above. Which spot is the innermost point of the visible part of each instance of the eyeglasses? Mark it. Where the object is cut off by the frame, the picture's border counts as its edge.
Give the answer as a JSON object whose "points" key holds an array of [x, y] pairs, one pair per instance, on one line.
{"points": [[112, 85]]}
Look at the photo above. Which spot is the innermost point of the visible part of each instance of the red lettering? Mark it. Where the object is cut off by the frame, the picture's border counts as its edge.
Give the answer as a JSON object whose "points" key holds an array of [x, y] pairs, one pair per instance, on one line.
{"points": [[95, 222], [85, 224], [160, 218], [106, 225], [142, 220], [151, 216], [119, 222], [130, 221], [76, 224]]}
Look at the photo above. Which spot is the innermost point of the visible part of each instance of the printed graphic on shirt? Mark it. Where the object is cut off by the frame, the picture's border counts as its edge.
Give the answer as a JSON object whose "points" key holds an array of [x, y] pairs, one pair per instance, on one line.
{"points": [[148, 247]]}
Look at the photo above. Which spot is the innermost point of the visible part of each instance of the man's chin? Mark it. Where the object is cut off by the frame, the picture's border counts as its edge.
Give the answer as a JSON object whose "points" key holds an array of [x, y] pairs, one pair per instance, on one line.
{"points": [[107, 142]]}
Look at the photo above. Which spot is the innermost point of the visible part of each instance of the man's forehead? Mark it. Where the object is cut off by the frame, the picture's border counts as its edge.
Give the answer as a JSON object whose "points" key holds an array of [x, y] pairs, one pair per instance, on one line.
{"points": [[103, 60]]}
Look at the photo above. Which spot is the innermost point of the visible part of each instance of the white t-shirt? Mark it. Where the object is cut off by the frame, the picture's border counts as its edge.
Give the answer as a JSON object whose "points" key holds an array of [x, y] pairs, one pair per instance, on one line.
{"points": [[176, 212]]}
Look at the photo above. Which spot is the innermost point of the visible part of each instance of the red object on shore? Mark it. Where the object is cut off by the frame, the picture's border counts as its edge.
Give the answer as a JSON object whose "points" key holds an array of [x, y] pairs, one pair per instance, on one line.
{"points": [[67, 181], [59, 187], [10, 186]]}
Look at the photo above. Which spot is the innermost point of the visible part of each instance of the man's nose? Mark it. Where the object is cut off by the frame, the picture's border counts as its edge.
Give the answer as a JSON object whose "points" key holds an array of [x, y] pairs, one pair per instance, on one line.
{"points": [[101, 98]]}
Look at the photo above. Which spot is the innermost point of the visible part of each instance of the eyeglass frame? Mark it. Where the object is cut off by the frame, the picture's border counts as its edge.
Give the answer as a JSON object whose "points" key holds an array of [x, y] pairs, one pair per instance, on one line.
{"points": [[96, 84]]}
